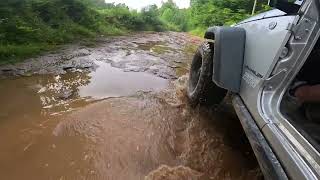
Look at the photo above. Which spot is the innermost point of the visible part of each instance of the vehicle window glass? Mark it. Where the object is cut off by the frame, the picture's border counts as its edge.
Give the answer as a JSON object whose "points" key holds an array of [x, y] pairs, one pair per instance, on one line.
{"points": [[301, 102], [289, 6], [298, 2]]}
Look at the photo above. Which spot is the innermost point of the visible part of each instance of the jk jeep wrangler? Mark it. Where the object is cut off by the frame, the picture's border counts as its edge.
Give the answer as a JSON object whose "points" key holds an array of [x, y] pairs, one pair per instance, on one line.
{"points": [[265, 62]]}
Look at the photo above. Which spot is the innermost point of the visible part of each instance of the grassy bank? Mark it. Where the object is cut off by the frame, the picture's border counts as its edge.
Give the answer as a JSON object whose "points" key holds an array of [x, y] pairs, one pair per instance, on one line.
{"points": [[29, 27]]}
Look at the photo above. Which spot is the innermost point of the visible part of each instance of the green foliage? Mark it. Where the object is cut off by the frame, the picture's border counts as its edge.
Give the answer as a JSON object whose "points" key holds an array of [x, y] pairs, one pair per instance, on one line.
{"points": [[205, 13], [24, 24], [150, 15], [175, 18], [13, 53], [28, 27], [199, 31]]}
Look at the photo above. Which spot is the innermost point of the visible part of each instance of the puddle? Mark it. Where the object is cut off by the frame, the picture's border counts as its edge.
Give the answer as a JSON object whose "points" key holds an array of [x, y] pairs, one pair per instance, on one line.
{"points": [[31, 108], [107, 82], [156, 47], [58, 92]]}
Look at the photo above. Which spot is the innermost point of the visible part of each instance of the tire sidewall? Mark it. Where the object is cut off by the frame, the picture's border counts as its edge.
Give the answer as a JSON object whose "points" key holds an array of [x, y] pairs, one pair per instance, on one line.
{"points": [[206, 54]]}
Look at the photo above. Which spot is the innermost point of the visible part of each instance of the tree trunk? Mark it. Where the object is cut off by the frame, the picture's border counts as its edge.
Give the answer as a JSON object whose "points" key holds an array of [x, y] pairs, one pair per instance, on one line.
{"points": [[254, 7]]}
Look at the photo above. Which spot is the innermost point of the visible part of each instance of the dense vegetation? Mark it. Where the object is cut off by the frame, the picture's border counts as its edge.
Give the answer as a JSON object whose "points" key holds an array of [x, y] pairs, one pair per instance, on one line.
{"points": [[205, 13], [28, 27]]}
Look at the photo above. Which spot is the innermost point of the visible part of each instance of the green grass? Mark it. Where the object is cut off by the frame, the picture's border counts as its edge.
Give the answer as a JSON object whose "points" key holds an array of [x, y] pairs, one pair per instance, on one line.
{"points": [[200, 31], [29, 27], [13, 53], [16, 53]]}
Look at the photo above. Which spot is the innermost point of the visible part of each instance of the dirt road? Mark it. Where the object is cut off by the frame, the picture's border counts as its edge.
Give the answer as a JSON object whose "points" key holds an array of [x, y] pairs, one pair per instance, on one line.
{"points": [[116, 109]]}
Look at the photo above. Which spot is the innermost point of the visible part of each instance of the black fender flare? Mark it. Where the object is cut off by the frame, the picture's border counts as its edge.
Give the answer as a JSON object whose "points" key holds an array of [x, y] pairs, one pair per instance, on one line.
{"points": [[229, 51]]}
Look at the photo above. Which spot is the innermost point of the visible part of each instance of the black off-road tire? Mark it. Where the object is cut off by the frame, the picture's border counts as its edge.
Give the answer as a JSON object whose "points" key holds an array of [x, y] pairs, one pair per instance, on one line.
{"points": [[201, 89]]}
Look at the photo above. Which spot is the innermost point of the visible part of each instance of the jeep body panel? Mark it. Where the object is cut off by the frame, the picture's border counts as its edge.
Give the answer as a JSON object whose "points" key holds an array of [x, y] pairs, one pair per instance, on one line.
{"points": [[267, 74], [292, 148], [270, 165], [265, 15], [277, 46], [265, 40]]}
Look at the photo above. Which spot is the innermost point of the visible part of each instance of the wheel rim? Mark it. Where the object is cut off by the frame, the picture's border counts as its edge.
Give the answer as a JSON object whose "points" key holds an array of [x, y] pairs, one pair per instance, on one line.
{"points": [[195, 72]]}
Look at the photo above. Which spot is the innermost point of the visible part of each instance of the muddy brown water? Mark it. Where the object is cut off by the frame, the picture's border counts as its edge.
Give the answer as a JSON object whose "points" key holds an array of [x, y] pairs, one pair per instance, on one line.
{"points": [[117, 110]]}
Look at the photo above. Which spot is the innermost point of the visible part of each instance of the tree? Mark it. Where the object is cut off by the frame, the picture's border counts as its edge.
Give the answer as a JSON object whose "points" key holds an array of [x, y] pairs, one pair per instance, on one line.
{"points": [[175, 18], [150, 16]]}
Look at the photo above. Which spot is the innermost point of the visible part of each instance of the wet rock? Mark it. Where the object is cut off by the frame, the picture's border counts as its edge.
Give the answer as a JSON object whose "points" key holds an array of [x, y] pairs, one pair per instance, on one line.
{"points": [[135, 53], [173, 66], [66, 94], [119, 65], [42, 90], [9, 73], [77, 70], [153, 71], [79, 63], [57, 71], [135, 69], [8, 69], [78, 53], [104, 59], [175, 173], [178, 61], [167, 74], [42, 71], [67, 67]]}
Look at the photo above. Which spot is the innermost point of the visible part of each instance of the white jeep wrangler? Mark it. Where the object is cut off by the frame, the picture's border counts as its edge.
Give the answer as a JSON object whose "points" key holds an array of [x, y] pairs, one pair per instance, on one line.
{"points": [[262, 61]]}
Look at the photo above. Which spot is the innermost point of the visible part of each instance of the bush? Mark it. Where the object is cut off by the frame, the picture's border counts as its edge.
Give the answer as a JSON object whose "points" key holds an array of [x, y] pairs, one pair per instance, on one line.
{"points": [[28, 27], [14, 53]]}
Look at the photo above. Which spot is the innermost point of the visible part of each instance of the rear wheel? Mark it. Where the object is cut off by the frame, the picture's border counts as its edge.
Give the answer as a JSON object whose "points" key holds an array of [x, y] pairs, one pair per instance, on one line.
{"points": [[201, 88]]}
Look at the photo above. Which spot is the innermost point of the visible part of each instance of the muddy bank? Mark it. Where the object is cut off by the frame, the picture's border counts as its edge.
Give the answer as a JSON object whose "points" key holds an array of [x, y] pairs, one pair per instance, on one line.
{"points": [[116, 110]]}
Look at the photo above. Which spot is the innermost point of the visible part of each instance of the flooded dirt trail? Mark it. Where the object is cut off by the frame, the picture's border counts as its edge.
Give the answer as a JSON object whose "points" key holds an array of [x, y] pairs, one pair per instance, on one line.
{"points": [[116, 109]]}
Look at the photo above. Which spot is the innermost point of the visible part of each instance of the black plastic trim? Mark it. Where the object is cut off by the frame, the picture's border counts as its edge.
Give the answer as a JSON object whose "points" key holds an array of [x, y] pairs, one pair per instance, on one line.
{"points": [[269, 164], [228, 57]]}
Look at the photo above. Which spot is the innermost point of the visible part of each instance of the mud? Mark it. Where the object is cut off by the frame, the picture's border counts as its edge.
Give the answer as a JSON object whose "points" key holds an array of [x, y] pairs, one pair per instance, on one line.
{"points": [[178, 173], [116, 110], [161, 54]]}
